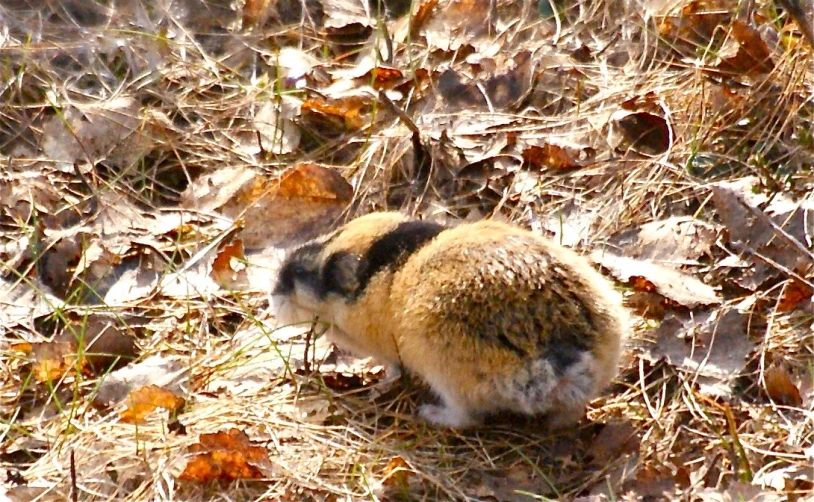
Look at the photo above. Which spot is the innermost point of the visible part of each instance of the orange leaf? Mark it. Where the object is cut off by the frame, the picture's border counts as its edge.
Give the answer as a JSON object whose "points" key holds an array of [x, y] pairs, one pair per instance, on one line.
{"points": [[384, 77], [795, 293], [224, 270], [397, 473], [346, 112], [52, 360], [226, 456], [144, 400], [549, 156]]}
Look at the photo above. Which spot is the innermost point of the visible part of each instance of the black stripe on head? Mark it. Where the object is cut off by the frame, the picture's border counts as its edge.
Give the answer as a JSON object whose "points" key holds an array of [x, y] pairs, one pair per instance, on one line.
{"points": [[300, 265], [391, 250]]}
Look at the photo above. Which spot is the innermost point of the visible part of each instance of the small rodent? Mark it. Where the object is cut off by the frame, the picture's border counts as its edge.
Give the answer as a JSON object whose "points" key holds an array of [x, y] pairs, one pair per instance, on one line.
{"points": [[493, 317]]}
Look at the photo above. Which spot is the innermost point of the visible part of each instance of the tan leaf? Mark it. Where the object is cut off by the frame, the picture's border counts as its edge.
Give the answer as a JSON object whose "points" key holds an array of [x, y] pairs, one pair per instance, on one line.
{"points": [[674, 285]]}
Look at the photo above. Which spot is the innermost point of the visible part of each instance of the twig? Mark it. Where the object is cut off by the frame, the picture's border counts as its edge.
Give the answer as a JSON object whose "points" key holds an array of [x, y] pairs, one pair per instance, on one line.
{"points": [[74, 491]]}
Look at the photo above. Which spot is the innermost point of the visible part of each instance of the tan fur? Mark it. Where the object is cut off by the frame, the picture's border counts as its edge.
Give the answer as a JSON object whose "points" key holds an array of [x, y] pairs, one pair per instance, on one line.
{"points": [[475, 312]]}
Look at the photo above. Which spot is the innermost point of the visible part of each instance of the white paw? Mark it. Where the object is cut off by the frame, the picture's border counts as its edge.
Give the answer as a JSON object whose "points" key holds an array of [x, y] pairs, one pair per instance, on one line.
{"points": [[444, 416]]}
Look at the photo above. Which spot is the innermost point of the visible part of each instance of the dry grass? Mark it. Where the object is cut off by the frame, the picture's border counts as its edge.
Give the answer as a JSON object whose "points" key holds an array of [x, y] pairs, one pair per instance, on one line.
{"points": [[176, 87]]}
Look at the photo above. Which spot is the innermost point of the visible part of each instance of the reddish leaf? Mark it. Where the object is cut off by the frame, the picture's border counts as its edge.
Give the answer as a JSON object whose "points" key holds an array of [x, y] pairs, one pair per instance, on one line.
{"points": [[226, 456]]}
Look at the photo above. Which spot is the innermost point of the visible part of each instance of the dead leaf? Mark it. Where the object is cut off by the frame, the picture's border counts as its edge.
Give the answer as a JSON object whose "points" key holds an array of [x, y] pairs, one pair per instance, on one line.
{"points": [[229, 268], [395, 476], [706, 344], [152, 371], [501, 88], [651, 483], [52, 360], [512, 484], [298, 204], [274, 123], [304, 200], [694, 27], [739, 491], [94, 131], [225, 456], [341, 14], [752, 221], [105, 341], [457, 22], [615, 439], [333, 117], [745, 52], [671, 242], [573, 224], [641, 125], [795, 292], [255, 12], [780, 387], [383, 77], [548, 156], [144, 400], [423, 13], [23, 301], [674, 285]]}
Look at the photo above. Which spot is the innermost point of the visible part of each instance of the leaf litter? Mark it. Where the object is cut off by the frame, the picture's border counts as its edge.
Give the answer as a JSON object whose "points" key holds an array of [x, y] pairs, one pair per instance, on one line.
{"points": [[155, 176]]}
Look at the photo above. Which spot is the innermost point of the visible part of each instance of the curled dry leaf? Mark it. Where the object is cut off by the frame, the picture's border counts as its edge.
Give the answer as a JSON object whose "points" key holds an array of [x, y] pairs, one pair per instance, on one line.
{"points": [[225, 456], [144, 400], [641, 126], [396, 475], [780, 387], [229, 269]]}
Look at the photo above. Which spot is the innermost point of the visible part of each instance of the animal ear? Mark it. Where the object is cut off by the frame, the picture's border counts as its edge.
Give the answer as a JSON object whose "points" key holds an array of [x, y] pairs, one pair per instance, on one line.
{"points": [[341, 274]]}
